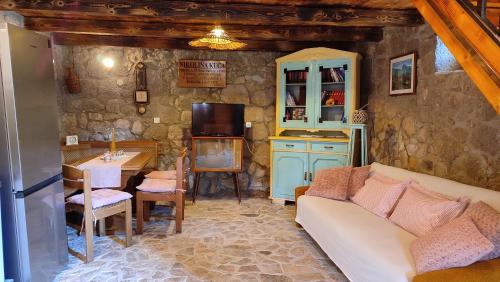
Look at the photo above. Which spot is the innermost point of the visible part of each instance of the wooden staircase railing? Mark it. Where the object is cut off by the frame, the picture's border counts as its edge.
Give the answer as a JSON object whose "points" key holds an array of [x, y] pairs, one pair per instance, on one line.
{"points": [[475, 49]]}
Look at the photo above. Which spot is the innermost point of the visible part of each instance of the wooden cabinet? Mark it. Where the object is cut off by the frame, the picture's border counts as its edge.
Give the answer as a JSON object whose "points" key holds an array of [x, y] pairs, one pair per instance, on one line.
{"points": [[291, 171], [317, 90], [295, 163]]}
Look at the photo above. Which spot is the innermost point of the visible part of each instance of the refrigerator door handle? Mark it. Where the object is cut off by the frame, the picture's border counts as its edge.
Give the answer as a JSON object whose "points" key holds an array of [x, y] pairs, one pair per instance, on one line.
{"points": [[38, 186]]}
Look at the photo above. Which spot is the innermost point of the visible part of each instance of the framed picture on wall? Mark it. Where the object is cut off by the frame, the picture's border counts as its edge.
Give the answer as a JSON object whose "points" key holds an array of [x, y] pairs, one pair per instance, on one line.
{"points": [[403, 75], [142, 96]]}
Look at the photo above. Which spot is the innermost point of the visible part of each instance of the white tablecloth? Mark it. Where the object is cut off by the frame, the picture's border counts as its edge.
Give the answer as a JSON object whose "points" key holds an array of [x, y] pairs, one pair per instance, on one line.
{"points": [[106, 174]]}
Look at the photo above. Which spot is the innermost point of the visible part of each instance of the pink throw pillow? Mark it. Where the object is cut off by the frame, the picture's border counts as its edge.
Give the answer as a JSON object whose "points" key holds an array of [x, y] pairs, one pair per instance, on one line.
{"points": [[157, 185], [331, 183], [487, 220], [162, 174], [456, 244], [420, 211], [380, 194], [357, 179]]}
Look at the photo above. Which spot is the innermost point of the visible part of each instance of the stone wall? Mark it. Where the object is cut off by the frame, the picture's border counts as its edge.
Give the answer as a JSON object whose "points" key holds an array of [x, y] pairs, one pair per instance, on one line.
{"points": [[106, 101], [447, 129]]}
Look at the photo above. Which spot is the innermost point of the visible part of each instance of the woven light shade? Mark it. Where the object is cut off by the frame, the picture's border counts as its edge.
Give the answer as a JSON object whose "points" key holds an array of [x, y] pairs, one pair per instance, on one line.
{"points": [[217, 39]]}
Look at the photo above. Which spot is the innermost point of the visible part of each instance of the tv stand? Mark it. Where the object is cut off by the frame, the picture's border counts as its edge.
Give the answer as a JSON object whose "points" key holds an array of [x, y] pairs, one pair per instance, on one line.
{"points": [[217, 154]]}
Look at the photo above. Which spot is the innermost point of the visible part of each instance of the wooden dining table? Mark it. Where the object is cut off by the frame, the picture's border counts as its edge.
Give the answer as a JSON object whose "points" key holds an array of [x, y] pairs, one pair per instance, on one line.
{"points": [[129, 168]]}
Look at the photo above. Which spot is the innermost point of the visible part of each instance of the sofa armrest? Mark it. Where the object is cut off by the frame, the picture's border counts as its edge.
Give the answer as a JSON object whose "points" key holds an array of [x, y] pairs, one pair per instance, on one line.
{"points": [[483, 271], [299, 191]]}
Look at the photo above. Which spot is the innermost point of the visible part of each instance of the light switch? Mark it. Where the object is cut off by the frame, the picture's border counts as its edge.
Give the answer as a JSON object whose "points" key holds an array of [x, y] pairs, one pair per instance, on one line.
{"points": [[248, 124], [156, 120]]}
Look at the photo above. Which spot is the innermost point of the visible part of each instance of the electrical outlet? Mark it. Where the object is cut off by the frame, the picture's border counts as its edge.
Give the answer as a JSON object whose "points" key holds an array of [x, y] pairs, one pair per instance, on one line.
{"points": [[156, 120], [248, 124]]}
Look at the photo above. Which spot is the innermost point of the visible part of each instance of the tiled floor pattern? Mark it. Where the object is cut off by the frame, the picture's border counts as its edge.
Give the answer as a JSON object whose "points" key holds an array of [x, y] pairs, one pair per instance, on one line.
{"points": [[221, 241]]}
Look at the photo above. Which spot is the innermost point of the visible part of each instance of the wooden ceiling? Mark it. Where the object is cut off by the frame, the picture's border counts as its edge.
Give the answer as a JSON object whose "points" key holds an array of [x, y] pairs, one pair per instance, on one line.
{"points": [[276, 25]]}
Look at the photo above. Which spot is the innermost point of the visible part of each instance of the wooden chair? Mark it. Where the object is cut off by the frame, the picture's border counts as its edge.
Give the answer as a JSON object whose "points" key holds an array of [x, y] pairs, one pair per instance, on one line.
{"points": [[176, 195], [75, 178]]}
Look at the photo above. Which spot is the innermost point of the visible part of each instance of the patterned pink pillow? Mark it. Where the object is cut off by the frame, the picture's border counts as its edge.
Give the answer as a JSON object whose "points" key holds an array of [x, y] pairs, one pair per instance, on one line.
{"points": [[357, 179], [380, 194], [331, 183], [456, 244], [487, 220], [419, 212]]}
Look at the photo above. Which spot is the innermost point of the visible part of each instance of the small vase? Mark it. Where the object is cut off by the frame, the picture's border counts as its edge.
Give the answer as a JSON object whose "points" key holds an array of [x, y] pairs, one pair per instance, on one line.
{"points": [[112, 145]]}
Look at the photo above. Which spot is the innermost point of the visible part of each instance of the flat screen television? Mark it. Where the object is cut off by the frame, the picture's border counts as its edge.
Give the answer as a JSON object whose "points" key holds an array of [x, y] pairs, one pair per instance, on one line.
{"points": [[216, 119]]}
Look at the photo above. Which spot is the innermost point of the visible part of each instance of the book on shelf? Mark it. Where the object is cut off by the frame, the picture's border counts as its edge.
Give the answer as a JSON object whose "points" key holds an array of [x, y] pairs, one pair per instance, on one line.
{"points": [[336, 75], [290, 101], [333, 97], [296, 76]]}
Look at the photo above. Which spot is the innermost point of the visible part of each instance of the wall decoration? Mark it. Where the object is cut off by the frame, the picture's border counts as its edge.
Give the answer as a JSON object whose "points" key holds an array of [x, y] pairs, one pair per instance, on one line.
{"points": [[72, 79], [197, 73], [141, 95], [403, 75], [71, 140]]}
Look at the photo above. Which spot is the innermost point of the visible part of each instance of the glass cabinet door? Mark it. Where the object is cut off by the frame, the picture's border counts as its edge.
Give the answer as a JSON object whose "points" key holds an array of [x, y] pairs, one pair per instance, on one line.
{"points": [[332, 90], [296, 106]]}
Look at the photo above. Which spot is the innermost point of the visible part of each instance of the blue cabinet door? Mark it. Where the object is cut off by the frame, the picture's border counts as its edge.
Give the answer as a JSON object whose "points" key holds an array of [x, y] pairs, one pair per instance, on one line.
{"points": [[332, 92], [321, 161], [296, 104], [289, 171]]}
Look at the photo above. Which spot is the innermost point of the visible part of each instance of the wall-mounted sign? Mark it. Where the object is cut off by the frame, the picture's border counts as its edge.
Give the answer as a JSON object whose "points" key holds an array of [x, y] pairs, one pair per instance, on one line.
{"points": [[197, 73]]}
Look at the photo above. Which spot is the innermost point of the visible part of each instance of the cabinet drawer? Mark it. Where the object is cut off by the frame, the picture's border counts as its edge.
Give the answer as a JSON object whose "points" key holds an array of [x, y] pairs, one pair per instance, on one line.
{"points": [[340, 148], [289, 145]]}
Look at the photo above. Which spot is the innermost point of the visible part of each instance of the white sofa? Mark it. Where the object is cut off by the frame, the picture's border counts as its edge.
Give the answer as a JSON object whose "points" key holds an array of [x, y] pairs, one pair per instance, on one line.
{"points": [[367, 247]]}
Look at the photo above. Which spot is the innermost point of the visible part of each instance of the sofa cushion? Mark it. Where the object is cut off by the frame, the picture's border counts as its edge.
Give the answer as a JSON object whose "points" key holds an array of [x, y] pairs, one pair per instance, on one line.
{"points": [[379, 194], [456, 244], [357, 179], [441, 185], [331, 183], [420, 212], [487, 221], [364, 246]]}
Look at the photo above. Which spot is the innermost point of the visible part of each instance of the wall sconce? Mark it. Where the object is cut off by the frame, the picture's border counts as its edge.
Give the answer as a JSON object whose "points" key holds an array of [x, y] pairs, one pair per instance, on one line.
{"points": [[108, 62]]}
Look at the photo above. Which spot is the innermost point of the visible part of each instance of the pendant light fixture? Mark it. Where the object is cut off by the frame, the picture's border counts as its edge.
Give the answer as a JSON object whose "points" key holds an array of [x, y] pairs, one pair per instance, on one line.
{"points": [[217, 39]]}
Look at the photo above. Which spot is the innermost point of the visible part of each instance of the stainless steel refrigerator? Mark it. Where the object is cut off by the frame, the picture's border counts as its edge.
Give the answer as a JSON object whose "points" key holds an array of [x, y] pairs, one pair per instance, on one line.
{"points": [[32, 197]]}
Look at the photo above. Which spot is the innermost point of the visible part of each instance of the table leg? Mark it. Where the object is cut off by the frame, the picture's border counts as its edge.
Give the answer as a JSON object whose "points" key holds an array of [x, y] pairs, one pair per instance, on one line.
{"points": [[236, 186]]}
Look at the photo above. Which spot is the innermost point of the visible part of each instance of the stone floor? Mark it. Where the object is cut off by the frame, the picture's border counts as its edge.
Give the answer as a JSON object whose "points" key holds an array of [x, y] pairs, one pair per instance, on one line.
{"points": [[221, 241]]}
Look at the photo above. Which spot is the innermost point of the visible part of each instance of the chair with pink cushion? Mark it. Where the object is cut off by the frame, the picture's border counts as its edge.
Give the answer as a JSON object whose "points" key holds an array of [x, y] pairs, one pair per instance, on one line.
{"points": [[95, 205], [155, 188]]}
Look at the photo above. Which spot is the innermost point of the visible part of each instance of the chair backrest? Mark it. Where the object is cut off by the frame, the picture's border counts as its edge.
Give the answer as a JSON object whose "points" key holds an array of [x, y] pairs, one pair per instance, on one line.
{"points": [[180, 167], [79, 179]]}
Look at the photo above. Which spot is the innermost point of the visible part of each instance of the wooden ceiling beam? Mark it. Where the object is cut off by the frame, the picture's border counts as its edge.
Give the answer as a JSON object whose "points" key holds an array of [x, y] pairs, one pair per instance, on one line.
{"points": [[294, 33], [213, 13], [373, 4], [170, 43]]}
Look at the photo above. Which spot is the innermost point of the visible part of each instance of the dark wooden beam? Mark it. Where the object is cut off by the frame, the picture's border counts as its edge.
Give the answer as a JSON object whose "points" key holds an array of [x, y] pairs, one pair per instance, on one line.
{"points": [[373, 4], [294, 33], [169, 43], [213, 13]]}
